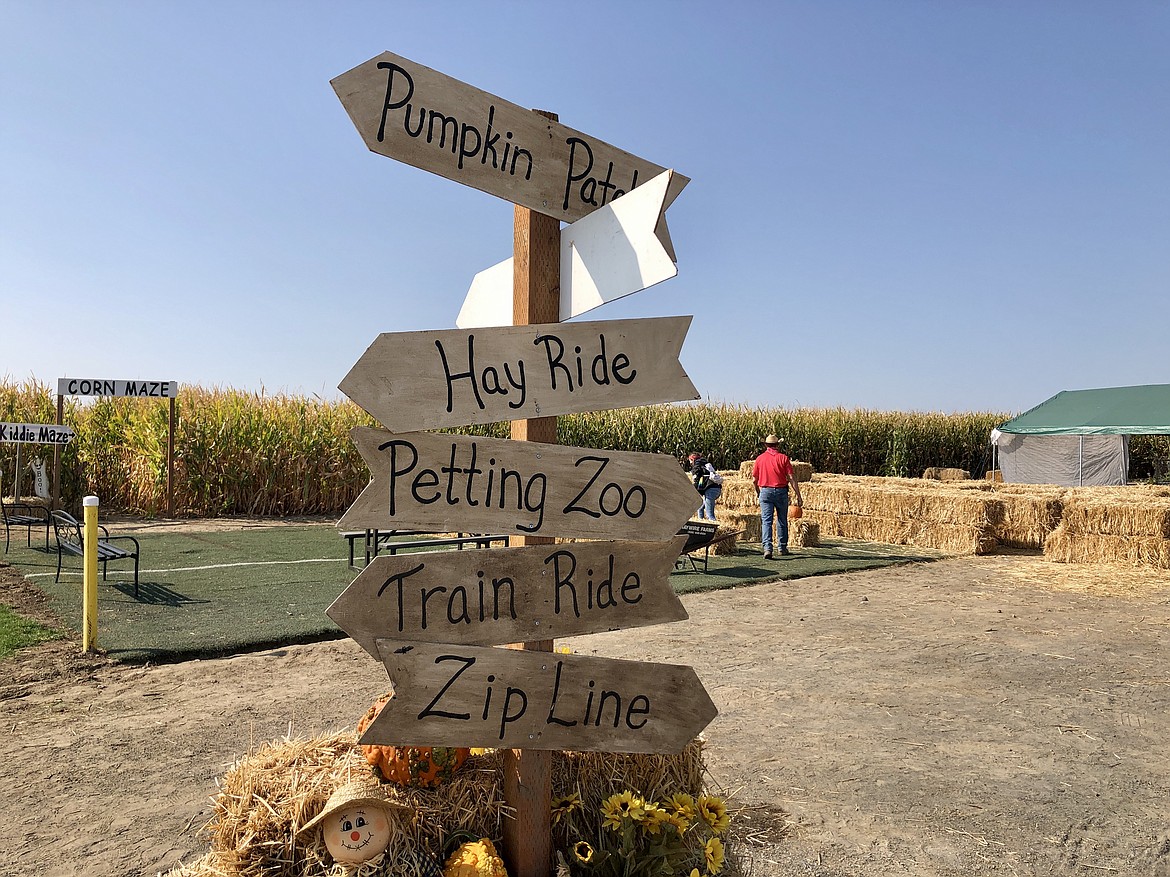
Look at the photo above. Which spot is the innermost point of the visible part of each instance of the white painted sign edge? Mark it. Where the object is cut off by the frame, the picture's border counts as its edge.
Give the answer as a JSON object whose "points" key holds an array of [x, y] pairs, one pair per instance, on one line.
{"points": [[609, 254]]}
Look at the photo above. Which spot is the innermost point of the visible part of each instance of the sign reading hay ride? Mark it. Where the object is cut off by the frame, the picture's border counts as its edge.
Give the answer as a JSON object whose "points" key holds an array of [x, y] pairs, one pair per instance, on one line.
{"points": [[472, 696], [512, 372], [439, 483], [409, 112]]}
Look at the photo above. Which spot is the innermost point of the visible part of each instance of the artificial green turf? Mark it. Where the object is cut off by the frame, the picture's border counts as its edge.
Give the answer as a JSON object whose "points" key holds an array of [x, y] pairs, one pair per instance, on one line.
{"points": [[213, 593]]}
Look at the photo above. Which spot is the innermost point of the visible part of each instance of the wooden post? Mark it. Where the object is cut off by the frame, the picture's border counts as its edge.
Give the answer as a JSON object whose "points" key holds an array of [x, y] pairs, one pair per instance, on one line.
{"points": [[171, 461], [55, 503], [536, 298]]}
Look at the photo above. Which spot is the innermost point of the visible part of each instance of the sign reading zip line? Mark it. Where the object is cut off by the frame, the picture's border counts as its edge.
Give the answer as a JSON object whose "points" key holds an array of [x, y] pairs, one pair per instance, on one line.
{"points": [[447, 695], [440, 483], [514, 372], [424, 118]]}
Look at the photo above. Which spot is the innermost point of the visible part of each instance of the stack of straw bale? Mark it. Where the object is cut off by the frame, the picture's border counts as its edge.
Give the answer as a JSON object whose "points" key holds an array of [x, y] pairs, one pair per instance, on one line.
{"points": [[1122, 525], [904, 511]]}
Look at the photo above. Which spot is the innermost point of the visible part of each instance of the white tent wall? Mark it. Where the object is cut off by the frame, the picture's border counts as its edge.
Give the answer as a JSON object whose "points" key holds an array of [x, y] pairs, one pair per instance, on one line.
{"points": [[1067, 460]]}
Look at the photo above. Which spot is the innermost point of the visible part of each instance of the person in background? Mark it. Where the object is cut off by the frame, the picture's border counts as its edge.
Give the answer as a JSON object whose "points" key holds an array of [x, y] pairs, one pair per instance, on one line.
{"points": [[772, 474], [708, 482]]}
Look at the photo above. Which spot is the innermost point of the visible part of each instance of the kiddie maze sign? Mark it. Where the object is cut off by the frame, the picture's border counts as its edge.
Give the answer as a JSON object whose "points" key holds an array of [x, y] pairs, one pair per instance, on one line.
{"points": [[433, 619]]}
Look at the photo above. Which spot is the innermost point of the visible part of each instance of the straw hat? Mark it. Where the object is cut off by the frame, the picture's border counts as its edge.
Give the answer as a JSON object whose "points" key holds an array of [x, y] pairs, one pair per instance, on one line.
{"points": [[772, 439], [352, 794]]}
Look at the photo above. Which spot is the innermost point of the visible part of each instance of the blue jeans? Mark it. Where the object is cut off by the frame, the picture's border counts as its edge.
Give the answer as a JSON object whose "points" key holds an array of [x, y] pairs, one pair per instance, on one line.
{"points": [[707, 509], [774, 501]]}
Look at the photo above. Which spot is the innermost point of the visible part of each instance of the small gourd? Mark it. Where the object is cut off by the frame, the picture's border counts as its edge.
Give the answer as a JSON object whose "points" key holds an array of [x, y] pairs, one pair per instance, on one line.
{"points": [[795, 511], [475, 859], [422, 766]]}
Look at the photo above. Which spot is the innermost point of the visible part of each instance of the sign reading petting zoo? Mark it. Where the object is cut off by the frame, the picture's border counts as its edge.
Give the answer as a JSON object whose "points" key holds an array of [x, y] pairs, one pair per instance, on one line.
{"points": [[506, 595], [448, 695], [439, 483], [511, 372], [424, 118]]}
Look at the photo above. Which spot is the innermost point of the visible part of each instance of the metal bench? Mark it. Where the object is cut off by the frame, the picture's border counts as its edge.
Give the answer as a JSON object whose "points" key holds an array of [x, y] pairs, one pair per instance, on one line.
{"points": [[71, 540], [377, 541], [22, 514]]}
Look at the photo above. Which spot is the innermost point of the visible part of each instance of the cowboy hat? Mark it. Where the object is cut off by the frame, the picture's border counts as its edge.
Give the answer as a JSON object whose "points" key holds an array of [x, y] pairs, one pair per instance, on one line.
{"points": [[357, 793], [771, 439]]}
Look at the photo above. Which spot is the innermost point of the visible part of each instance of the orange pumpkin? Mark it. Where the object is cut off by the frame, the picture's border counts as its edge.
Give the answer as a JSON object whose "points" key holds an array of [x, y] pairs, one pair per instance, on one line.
{"points": [[795, 511], [422, 766]]}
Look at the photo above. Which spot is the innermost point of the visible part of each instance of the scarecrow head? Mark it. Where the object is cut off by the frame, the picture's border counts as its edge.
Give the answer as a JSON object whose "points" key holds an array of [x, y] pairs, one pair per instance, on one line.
{"points": [[356, 822]]}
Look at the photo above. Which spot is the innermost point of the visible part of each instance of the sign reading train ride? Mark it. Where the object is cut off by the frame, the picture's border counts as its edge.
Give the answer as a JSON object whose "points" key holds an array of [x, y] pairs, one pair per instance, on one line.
{"points": [[506, 595], [513, 372], [446, 695], [424, 118]]}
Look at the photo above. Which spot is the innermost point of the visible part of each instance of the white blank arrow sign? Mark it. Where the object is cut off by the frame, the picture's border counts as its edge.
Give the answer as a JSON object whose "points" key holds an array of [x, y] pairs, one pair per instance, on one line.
{"points": [[620, 249]]}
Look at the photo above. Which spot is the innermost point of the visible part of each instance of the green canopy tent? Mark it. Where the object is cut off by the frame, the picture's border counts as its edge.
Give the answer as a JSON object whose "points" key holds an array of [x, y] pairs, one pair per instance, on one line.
{"points": [[1080, 437]]}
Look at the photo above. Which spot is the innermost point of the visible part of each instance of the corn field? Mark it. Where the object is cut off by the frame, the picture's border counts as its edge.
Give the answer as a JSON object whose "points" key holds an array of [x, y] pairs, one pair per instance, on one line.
{"points": [[241, 453]]}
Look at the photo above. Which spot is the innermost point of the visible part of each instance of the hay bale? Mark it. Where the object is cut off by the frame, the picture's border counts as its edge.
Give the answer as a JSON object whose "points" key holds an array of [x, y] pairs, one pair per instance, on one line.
{"points": [[1065, 546], [747, 521], [962, 539], [1116, 513], [726, 546], [804, 534], [937, 474], [1028, 515], [994, 475]]}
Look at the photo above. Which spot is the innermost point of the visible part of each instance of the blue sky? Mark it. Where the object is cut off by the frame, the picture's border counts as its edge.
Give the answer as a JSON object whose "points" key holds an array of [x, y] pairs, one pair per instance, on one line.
{"points": [[895, 204]]}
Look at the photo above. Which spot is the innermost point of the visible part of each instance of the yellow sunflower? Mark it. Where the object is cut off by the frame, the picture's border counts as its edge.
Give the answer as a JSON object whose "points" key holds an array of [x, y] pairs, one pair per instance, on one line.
{"points": [[714, 813], [682, 804], [583, 852], [654, 817], [625, 805], [562, 808], [713, 852]]}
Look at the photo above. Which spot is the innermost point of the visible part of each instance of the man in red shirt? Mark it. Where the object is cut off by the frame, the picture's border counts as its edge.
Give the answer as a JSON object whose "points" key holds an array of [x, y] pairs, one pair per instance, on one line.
{"points": [[772, 475]]}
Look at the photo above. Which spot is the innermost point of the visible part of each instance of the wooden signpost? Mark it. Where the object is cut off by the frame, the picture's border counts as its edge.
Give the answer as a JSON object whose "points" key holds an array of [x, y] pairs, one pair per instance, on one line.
{"points": [[431, 618], [471, 484], [518, 371], [506, 595]]}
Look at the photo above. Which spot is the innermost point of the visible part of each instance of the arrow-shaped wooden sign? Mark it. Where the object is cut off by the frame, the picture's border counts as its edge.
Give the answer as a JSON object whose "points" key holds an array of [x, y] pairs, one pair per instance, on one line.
{"points": [[36, 433], [416, 115], [611, 253], [508, 595], [513, 372], [470, 484], [447, 695]]}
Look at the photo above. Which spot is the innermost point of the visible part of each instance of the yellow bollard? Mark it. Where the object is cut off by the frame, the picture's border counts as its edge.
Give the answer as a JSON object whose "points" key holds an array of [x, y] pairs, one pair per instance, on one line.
{"points": [[90, 565]]}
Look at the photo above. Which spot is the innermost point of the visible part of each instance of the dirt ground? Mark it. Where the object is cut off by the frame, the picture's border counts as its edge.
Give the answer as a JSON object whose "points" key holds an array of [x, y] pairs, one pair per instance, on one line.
{"points": [[995, 715]]}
